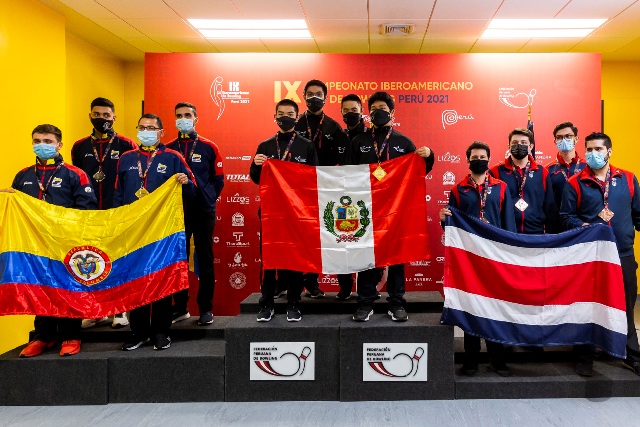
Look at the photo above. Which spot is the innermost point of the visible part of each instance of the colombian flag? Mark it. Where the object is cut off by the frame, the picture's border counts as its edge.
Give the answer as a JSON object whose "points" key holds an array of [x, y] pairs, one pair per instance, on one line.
{"points": [[75, 263]]}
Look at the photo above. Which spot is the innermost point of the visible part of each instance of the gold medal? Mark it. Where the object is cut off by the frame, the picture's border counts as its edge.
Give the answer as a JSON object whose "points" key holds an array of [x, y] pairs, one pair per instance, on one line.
{"points": [[606, 214], [99, 176], [521, 204], [141, 193], [379, 173]]}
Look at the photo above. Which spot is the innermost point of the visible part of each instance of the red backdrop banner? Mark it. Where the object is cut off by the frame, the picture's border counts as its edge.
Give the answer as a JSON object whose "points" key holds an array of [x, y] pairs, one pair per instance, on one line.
{"points": [[444, 101]]}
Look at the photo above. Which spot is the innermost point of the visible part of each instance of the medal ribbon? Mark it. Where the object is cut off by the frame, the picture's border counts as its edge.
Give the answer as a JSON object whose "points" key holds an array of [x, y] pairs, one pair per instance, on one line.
{"points": [[318, 133], [286, 151], [104, 155], [568, 173], [44, 189], [193, 148], [143, 176], [483, 195], [384, 144], [524, 178], [605, 188]]}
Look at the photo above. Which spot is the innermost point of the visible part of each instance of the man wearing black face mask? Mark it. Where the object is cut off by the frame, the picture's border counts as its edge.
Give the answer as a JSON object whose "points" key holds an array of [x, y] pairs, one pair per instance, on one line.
{"points": [[288, 146], [98, 155], [529, 185], [331, 145], [487, 198], [351, 106], [383, 143]]}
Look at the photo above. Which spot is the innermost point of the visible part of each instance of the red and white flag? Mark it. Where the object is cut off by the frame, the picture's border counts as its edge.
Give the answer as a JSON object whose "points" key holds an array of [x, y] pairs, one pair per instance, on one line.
{"points": [[342, 219]]}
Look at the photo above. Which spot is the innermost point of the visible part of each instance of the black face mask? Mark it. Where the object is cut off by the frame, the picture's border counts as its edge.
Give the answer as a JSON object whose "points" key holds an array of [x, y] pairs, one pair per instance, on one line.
{"points": [[315, 104], [351, 119], [477, 166], [380, 117], [519, 151], [102, 125], [285, 123]]}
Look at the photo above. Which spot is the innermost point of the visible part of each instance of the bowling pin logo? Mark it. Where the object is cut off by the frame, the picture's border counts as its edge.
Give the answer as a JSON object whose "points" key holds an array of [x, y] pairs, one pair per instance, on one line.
{"points": [[294, 366], [414, 362]]}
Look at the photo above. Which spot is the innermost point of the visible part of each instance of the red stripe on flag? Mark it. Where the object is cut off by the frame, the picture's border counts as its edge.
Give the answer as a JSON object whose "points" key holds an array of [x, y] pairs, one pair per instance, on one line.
{"points": [[295, 232], [590, 282], [400, 211], [48, 301]]}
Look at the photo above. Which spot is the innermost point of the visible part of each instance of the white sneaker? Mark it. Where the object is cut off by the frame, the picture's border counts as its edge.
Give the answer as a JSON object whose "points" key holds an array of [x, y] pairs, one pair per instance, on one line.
{"points": [[90, 323], [120, 321]]}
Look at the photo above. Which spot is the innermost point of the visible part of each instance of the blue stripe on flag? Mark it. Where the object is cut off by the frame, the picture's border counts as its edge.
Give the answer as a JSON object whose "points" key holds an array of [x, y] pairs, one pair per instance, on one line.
{"points": [[24, 268]]}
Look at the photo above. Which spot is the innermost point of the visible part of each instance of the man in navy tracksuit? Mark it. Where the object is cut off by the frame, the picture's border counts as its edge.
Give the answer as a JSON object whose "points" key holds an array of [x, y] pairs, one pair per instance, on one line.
{"points": [[604, 194], [567, 162], [529, 186], [98, 155], [383, 143], [61, 184], [485, 197], [204, 160], [140, 173]]}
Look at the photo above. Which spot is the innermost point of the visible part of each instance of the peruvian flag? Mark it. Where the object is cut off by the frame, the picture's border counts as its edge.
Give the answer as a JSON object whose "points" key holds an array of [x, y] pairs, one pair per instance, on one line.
{"points": [[342, 219]]}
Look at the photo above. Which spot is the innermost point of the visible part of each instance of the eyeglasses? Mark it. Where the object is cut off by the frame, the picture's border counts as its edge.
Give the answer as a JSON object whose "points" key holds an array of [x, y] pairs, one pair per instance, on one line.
{"points": [[568, 137], [151, 128]]}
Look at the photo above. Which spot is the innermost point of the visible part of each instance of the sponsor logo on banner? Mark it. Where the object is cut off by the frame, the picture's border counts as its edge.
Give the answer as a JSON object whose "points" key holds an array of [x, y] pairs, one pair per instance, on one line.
{"points": [[237, 198], [540, 156], [237, 220], [88, 265], [257, 199], [449, 158], [237, 177], [440, 259], [419, 278], [451, 117], [282, 361], [328, 280], [216, 260], [237, 280], [394, 362], [423, 263], [237, 261], [509, 97], [428, 197], [234, 95], [237, 240], [448, 178], [442, 239], [216, 239], [237, 157], [441, 281]]}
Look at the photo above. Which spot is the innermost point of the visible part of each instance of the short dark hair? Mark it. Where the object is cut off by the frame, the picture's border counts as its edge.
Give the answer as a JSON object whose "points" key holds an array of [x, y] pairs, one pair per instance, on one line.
{"points": [[316, 82], [188, 105], [151, 116], [565, 125], [48, 129], [381, 96], [289, 102], [351, 97], [103, 102], [478, 145], [598, 135], [521, 131]]}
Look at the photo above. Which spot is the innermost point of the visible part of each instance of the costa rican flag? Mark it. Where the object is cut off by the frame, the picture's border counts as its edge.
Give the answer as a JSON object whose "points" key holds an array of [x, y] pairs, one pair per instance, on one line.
{"points": [[540, 290]]}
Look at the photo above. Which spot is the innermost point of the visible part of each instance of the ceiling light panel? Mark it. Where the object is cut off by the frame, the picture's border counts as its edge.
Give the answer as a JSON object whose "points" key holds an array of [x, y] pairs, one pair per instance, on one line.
{"points": [[520, 34], [537, 24]]}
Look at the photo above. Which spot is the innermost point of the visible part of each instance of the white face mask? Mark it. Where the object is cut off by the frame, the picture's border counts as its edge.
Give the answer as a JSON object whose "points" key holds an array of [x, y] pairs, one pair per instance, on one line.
{"points": [[184, 125], [148, 138]]}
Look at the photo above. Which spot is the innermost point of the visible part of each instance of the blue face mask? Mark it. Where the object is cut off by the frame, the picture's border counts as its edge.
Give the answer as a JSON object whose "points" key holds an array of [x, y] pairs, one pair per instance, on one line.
{"points": [[566, 145], [596, 160], [184, 125], [45, 151], [148, 138]]}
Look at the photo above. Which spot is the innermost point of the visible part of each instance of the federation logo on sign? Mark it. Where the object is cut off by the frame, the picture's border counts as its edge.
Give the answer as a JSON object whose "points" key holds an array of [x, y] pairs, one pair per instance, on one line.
{"points": [[515, 100], [351, 222], [394, 362], [237, 280], [87, 264], [278, 361], [234, 95]]}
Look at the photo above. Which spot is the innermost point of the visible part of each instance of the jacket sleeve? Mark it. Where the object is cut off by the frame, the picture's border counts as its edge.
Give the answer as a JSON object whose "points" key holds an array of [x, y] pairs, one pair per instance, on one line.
{"points": [[506, 212], [569, 208], [74, 156], [551, 210], [342, 142], [188, 189], [217, 175], [255, 170], [635, 204], [83, 194], [313, 156], [429, 161]]}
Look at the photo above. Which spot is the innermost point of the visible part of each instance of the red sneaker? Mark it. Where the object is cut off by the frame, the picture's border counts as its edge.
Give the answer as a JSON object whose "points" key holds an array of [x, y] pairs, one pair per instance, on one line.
{"points": [[36, 347], [70, 348]]}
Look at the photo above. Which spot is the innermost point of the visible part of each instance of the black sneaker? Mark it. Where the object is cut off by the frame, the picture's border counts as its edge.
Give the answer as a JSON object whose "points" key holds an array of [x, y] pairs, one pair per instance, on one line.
{"points": [[265, 314], [363, 312], [179, 316], [634, 366], [315, 293], [205, 319], [469, 368], [398, 313], [163, 342], [500, 368], [343, 296], [293, 313], [134, 343]]}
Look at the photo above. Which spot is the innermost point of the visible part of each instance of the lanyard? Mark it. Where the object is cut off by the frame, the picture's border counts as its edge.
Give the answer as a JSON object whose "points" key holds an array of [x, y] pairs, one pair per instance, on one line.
{"points": [[104, 155], [193, 148], [604, 186], [44, 189], [383, 146], [568, 173], [524, 177], [143, 176], [286, 151], [483, 195], [318, 133]]}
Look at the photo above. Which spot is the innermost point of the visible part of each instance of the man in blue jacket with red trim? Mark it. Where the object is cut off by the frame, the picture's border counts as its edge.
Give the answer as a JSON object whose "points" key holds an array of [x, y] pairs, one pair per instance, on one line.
{"points": [[604, 194], [204, 160], [483, 196], [140, 173], [61, 184]]}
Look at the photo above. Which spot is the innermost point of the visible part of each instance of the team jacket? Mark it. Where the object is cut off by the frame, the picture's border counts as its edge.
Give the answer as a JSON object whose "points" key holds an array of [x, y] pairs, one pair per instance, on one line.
{"points": [[332, 144], [359, 129], [206, 165], [302, 151], [165, 164], [363, 152], [583, 200], [82, 156], [497, 207], [69, 186], [541, 214], [560, 172]]}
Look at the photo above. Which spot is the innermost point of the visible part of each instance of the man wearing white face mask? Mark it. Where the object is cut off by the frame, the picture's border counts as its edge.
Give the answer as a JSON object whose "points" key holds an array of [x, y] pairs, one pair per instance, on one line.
{"points": [[604, 194], [205, 161], [61, 184]]}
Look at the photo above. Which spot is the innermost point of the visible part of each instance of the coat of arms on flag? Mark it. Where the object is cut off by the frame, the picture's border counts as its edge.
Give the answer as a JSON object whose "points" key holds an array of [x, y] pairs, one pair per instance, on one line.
{"points": [[349, 222]]}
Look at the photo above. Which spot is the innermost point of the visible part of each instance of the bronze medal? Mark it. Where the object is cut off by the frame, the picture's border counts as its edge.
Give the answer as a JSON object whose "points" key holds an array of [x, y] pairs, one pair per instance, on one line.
{"points": [[141, 193], [606, 214], [521, 204], [99, 176], [379, 173]]}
